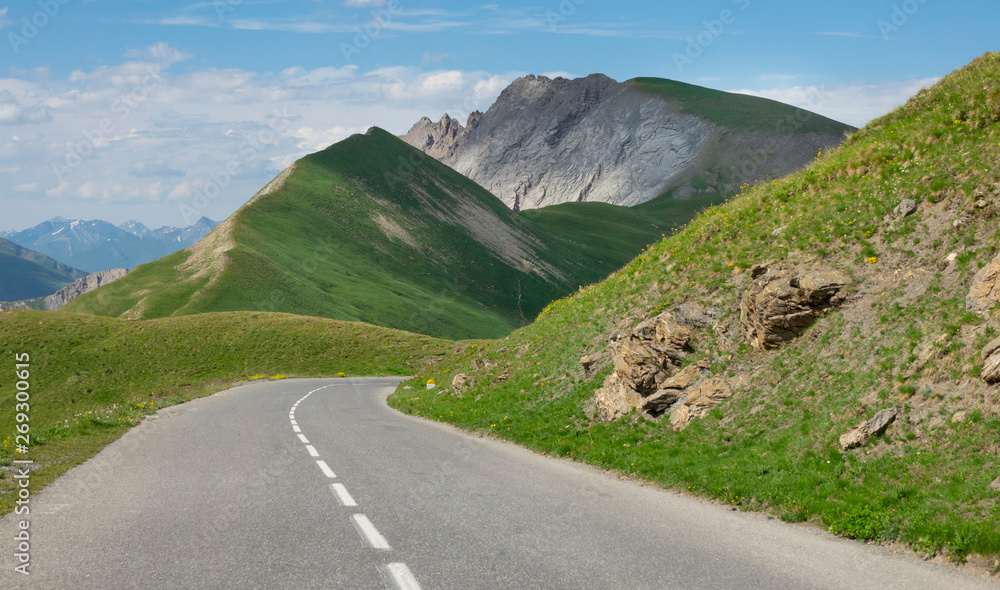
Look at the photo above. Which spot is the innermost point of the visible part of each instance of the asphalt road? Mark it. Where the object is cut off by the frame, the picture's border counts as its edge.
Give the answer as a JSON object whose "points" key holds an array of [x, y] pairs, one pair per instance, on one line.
{"points": [[230, 492]]}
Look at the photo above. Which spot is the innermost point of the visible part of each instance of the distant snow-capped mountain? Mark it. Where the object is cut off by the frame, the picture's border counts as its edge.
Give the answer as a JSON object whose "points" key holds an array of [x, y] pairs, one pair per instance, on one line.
{"points": [[96, 245]]}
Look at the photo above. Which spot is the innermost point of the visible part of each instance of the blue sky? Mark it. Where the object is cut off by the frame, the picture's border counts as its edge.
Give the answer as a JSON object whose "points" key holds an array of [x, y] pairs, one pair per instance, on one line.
{"points": [[163, 111]]}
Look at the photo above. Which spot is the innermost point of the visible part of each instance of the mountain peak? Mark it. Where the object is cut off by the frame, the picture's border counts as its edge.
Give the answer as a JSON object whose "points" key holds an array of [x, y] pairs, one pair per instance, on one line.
{"points": [[549, 141]]}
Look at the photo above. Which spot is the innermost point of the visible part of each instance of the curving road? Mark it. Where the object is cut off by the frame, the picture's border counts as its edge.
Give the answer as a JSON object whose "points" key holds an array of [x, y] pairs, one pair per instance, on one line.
{"points": [[318, 484]]}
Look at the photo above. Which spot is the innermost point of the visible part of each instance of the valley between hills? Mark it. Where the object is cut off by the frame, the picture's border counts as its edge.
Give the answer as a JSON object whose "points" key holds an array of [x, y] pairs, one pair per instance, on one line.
{"points": [[790, 316]]}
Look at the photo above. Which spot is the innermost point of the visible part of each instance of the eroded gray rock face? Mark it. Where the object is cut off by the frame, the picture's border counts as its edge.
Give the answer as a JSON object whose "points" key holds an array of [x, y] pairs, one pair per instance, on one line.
{"points": [[546, 142], [80, 286]]}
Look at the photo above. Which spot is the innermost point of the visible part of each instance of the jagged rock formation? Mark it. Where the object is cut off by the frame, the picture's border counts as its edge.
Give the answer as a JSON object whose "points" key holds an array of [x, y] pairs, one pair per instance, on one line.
{"points": [[546, 142], [864, 431], [709, 394], [646, 376], [644, 360], [80, 286], [780, 304], [438, 139]]}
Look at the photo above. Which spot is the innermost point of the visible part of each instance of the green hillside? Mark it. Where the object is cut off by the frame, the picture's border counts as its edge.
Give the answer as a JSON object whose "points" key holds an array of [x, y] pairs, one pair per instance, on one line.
{"points": [[373, 230], [26, 274], [897, 334], [93, 378]]}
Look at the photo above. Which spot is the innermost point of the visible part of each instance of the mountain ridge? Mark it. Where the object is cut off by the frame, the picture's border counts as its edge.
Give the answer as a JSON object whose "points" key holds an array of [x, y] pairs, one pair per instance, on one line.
{"points": [[27, 274], [547, 141], [348, 233], [96, 245]]}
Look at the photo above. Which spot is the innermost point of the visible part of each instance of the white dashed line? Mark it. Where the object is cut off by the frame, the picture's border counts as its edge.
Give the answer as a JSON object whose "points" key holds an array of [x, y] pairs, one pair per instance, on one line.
{"points": [[326, 469], [369, 532], [401, 574], [342, 495]]}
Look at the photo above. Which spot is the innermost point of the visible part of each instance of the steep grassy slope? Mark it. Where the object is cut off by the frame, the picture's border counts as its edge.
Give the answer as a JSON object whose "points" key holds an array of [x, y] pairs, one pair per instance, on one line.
{"points": [[92, 378], [372, 230], [902, 338], [26, 274]]}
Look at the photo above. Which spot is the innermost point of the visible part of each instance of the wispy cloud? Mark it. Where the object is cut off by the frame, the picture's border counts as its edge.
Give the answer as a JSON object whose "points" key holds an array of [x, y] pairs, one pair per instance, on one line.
{"points": [[855, 103], [487, 19], [161, 144]]}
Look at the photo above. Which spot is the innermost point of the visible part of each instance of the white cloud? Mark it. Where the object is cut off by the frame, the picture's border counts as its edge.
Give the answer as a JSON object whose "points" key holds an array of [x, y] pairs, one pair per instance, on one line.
{"points": [[3, 17], [374, 3], [140, 134], [855, 103], [314, 141]]}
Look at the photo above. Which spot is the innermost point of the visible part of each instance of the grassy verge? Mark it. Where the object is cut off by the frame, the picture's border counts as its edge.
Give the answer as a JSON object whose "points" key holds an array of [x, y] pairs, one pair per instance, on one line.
{"points": [[902, 339], [93, 378]]}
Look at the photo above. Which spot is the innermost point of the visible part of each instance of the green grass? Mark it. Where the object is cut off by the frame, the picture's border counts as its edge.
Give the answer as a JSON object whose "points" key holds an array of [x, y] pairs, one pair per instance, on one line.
{"points": [[904, 338], [315, 247], [92, 378]]}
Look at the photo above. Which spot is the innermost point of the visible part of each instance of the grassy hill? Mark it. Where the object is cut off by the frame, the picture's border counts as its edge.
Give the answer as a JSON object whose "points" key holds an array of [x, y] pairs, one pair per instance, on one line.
{"points": [[901, 337], [26, 274], [93, 378], [373, 230]]}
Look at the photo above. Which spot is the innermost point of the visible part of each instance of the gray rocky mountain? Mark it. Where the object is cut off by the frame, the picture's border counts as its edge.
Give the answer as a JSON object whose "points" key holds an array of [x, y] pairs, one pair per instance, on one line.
{"points": [[68, 293], [546, 141]]}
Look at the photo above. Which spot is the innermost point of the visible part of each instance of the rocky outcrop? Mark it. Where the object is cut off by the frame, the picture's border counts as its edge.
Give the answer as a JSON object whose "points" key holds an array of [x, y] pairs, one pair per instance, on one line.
{"points": [[991, 362], [699, 402], [437, 140], [646, 376], [985, 291], [80, 286], [644, 359], [71, 291], [780, 304], [874, 426], [550, 141], [462, 382], [904, 209]]}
